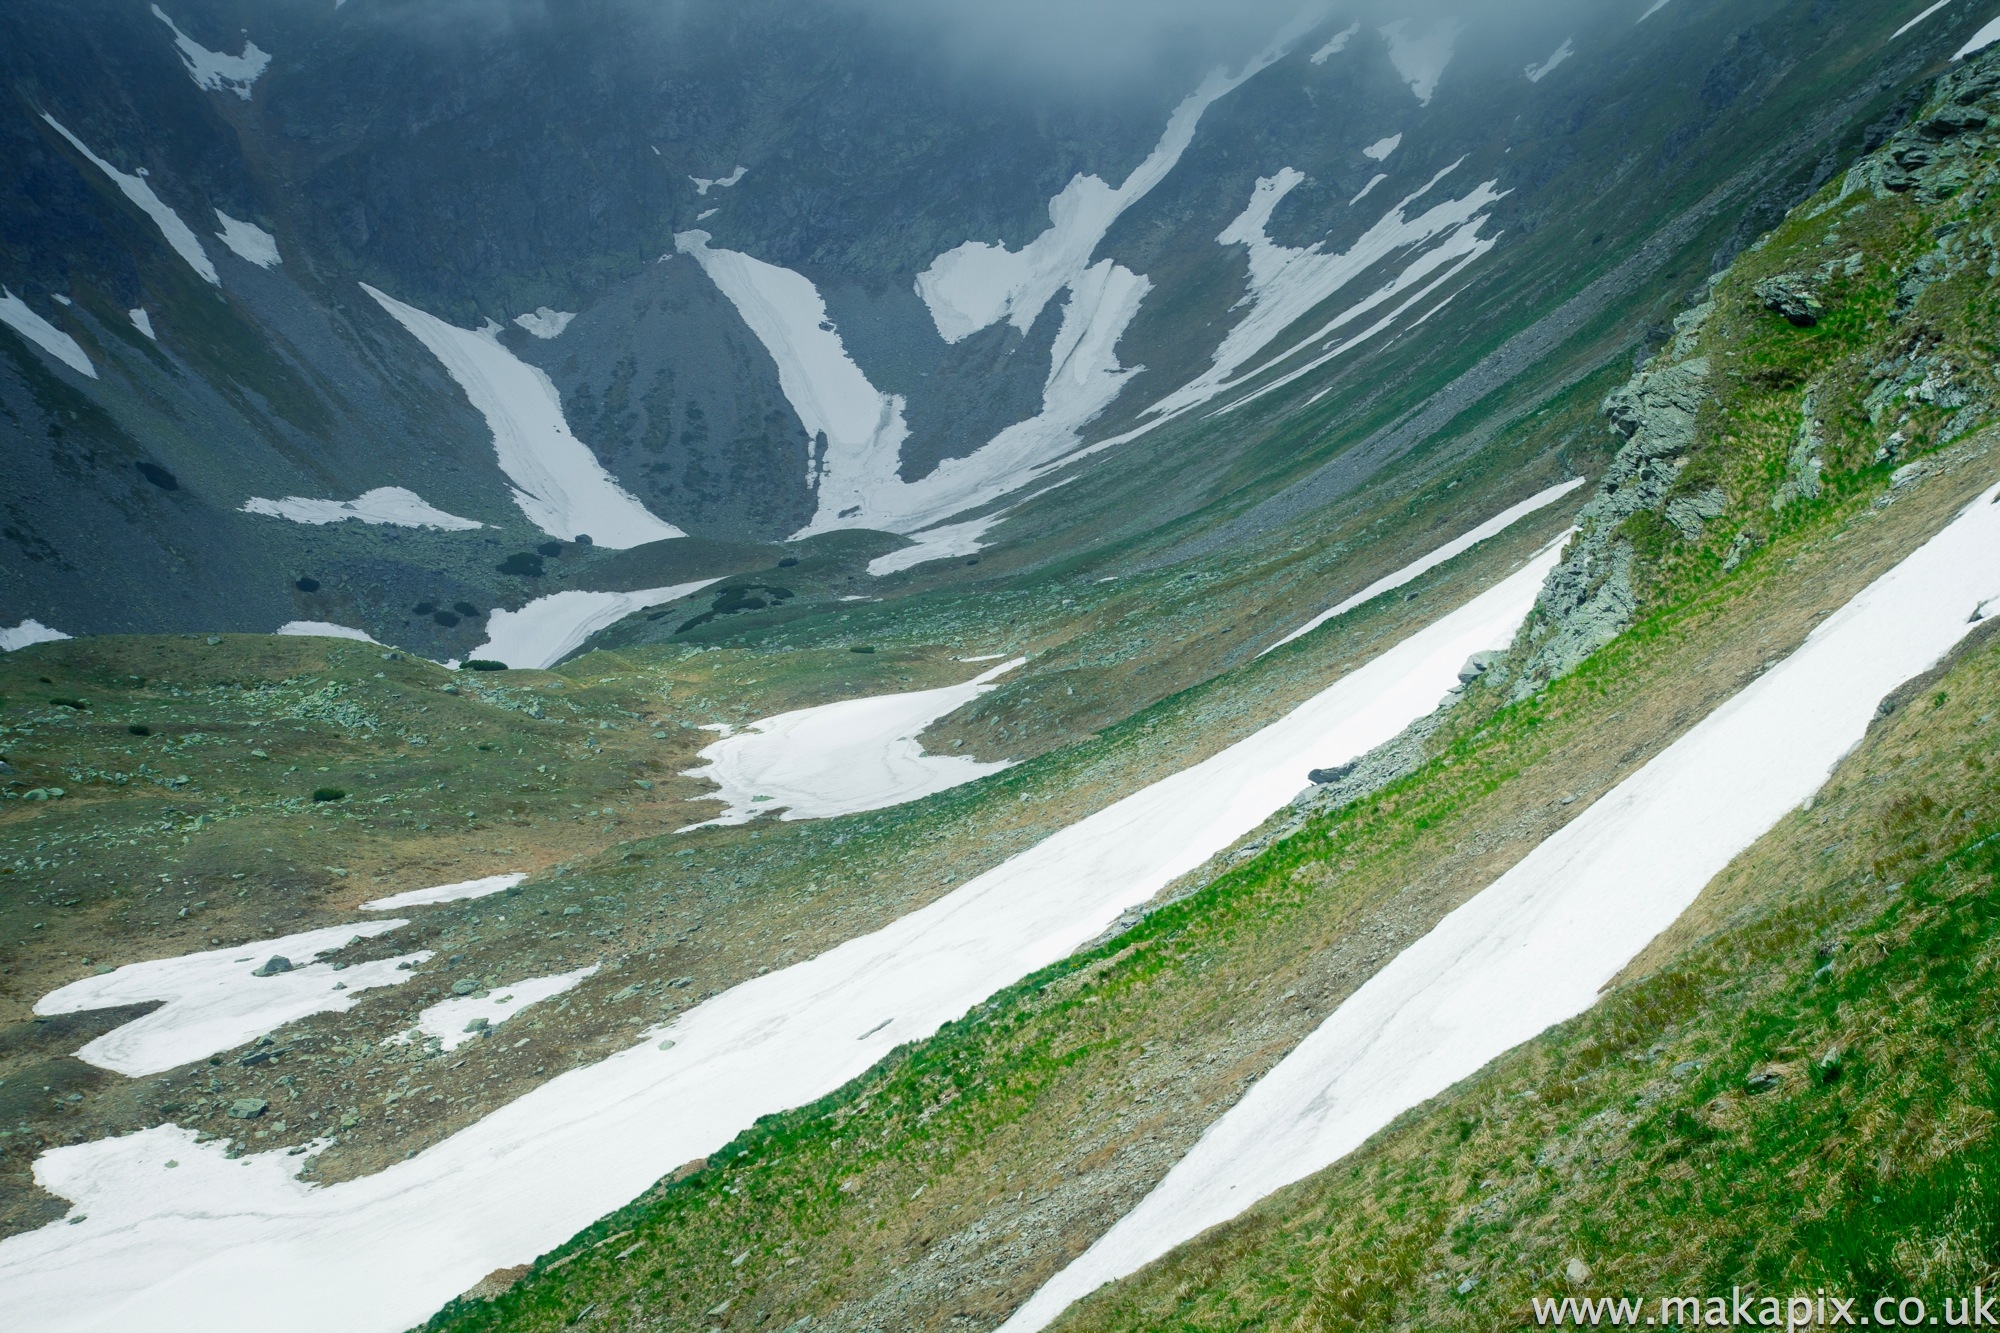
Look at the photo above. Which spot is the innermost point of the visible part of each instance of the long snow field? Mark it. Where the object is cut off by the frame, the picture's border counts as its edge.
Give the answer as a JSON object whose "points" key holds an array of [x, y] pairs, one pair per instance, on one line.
{"points": [[223, 1243], [550, 628], [1534, 947], [844, 757]]}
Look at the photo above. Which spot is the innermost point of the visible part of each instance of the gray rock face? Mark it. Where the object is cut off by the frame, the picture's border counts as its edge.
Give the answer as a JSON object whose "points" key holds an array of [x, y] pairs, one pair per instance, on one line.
{"points": [[273, 966], [1793, 295], [248, 1108], [1588, 599]]}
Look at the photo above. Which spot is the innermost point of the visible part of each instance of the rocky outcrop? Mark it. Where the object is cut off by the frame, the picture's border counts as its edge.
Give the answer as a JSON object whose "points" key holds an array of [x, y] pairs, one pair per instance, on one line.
{"points": [[1935, 155], [1793, 295], [1589, 598]]}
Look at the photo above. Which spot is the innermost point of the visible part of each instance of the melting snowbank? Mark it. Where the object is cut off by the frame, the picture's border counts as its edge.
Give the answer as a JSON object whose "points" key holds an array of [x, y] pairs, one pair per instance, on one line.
{"points": [[213, 70], [214, 1002], [16, 315], [703, 184], [248, 240], [1287, 282], [1499, 523], [548, 629], [558, 482], [228, 1245], [839, 758], [135, 187], [142, 321], [1536, 73], [27, 632], [444, 893], [393, 505], [544, 322], [1533, 948], [451, 1021], [323, 629]]}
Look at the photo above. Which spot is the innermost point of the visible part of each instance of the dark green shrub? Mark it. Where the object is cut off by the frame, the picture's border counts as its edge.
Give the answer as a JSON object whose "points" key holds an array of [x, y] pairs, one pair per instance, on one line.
{"points": [[329, 794], [483, 664], [445, 618], [523, 564], [307, 585], [862, 648], [467, 609], [139, 729], [550, 548], [78, 704]]}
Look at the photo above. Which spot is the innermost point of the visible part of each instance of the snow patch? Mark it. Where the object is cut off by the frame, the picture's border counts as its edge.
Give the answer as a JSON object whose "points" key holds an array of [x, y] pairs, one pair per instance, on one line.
{"points": [[1534, 948], [214, 1000], [1982, 39], [1651, 10], [451, 1021], [1336, 43], [1420, 53], [379, 1254], [558, 482], [1369, 188], [1918, 19], [1286, 283], [1457, 546], [136, 188], [27, 632], [1536, 73], [550, 628], [544, 322], [444, 893], [392, 505], [1379, 150], [940, 543], [702, 184], [16, 315], [142, 321], [323, 629], [840, 758], [212, 69], [248, 240], [980, 284]]}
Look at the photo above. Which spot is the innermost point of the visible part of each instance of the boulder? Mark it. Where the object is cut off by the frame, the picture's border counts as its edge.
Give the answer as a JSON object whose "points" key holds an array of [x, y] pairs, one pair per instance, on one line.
{"points": [[1793, 295], [247, 1108], [273, 965]]}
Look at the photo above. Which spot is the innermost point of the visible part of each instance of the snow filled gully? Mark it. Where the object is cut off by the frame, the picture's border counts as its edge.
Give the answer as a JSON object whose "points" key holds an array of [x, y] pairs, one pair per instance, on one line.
{"points": [[1535, 946], [221, 1243]]}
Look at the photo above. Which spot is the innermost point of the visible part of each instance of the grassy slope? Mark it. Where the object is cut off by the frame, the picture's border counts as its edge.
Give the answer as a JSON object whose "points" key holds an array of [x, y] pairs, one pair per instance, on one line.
{"points": [[1032, 1124]]}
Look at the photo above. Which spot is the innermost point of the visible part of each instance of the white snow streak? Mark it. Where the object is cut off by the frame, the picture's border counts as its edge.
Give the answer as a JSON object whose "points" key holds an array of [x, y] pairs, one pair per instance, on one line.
{"points": [[840, 758], [1536, 73], [444, 893], [223, 1243], [544, 322], [1457, 546], [1652, 9], [1420, 55], [1336, 43], [450, 1021], [939, 543], [214, 1003], [858, 431], [1534, 948], [323, 629], [1379, 150], [1918, 19], [212, 69], [558, 482], [980, 284], [16, 315], [1369, 188], [550, 628], [1982, 39], [142, 321], [392, 505], [248, 240], [27, 632], [703, 184], [1286, 283], [139, 191]]}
